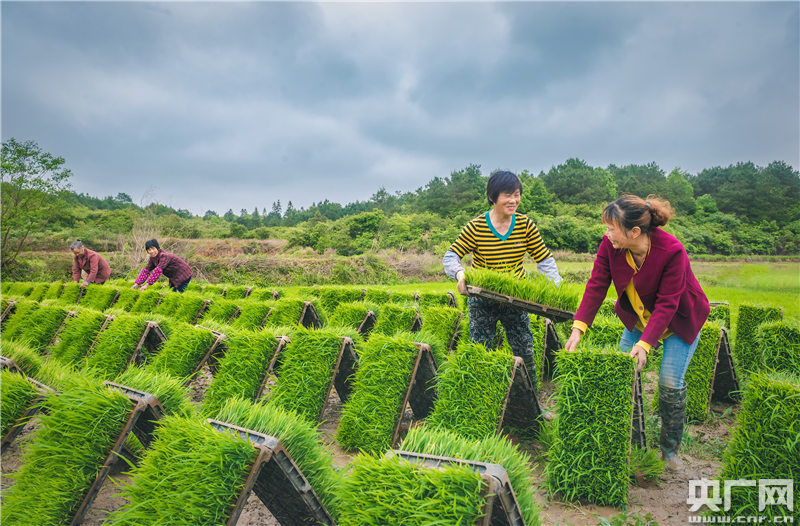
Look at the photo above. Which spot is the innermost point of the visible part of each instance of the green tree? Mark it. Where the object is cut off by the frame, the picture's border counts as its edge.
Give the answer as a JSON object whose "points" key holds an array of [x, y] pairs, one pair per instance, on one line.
{"points": [[678, 190], [575, 182], [639, 179], [30, 179]]}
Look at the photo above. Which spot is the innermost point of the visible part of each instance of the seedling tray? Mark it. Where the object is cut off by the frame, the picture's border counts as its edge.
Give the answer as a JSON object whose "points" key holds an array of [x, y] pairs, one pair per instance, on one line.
{"points": [[212, 354], [202, 311], [343, 372], [8, 363], [520, 407], [453, 343], [501, 508], [234, 316], [145, 412], [725, 382], [451, 300], [277, 481], [10, 308], [54, 339], [33, 408], [418, 395], [552, 343], [557, 315], [638, 437], [152, 338], [367, 324], [309, 317]]}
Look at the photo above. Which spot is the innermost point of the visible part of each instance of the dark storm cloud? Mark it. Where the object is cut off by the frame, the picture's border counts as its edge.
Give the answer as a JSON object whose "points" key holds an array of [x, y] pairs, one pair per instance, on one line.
{"points": [[236, 105]]}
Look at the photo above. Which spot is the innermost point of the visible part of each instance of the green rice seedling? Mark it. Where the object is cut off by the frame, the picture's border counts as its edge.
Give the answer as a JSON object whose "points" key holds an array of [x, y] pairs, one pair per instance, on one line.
{"points": [[381, 381], [495, 449], [394, 318], [444, 322], [41, 326], [471, 388], [434, 299], [235, 292], [79, 427], [377, 295], [19, 320], [352, 314], [16, 395], [306, 371], [70, 293], [194, 288], [60, 377], [390, 490], [54, 290], [721, 314], [331, 297], [27, 359], [98, 297], [645, 463], [115, 346], [183, 351], [189, 306], [77, 336], [765, 442], [300, 438], [242, 368], [222, 310], [127, 299], [191, 474], [261, 294], [779, 345], [700, 373], [607, 309], [147, 302], [252, 315], [438, 347], [286, 313], [604, 332], [38, 291], [745, 351], [403, 298], [3, 304], [589, 457], [535, 288], [169, 390], [170, 303], [5, 286], [20, 288], [213, 291]]}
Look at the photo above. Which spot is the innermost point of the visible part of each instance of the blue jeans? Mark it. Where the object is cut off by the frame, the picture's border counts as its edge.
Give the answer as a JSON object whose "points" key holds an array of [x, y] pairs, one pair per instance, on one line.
{"points": [[182, 286], [675, 356]]}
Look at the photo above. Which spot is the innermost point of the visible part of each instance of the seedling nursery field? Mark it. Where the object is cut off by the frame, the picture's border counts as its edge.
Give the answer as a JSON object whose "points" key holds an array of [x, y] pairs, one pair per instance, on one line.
{"points": [[120, 407]]}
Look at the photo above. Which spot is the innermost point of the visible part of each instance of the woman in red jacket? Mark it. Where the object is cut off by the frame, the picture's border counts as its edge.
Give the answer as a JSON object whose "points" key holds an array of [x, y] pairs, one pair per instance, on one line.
{"points": [[166, 263], [658, 299], [89, 261]]}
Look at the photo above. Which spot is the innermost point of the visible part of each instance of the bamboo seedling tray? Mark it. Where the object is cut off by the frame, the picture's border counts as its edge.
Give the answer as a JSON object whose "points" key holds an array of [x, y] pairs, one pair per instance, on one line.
{"points": [[277, 481], [418, 395], [520, 407], [725, 382], [9, 310], [552, 343], [556, 315], [16, 428]]}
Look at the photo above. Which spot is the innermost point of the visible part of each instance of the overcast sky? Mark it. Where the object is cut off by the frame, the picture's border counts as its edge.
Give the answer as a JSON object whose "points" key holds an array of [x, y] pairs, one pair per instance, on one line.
{"points": [[236, 105]]}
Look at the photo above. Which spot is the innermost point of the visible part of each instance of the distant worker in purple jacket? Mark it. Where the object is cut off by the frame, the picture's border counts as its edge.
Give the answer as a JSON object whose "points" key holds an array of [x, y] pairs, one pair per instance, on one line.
{"points": [[96, 268], [658, 299], [166, 263]]}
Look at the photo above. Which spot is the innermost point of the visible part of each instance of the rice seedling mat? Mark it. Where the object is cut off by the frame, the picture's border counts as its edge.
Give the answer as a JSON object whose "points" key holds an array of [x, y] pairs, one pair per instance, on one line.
{"points": [[725, 382], [557, 315], [104, 326], [9, 310], [520, 407], [32, 409], [552, 343], [418, 396], [501, 507], [277, 481], [146, 411], [54, 339], [218, 350], [213, 351]]}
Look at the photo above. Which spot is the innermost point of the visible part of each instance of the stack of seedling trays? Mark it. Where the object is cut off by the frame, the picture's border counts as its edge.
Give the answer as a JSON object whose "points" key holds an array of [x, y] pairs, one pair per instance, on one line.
{"points": [[83, 433], [500, 502], [555, 314], [186, 351]]}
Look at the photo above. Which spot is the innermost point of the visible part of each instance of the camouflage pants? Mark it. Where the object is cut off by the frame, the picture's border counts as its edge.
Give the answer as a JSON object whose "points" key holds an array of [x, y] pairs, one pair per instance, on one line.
{"points": [[483, 318]]}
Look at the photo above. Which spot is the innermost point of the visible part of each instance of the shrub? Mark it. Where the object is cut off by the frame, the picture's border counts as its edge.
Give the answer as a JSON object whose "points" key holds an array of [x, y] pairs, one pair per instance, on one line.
{"points": [[98, 297], [61, 462], [589, 456], [300, 439], [471, 388], [779, 345], [746, 349], [390, 490], [115, 346], [77, 336], [182, 352], [536, 289], [242, 368], [16, 395], [381, 381], [495, 449], [192, 474], [394, 318], [764, 444]]}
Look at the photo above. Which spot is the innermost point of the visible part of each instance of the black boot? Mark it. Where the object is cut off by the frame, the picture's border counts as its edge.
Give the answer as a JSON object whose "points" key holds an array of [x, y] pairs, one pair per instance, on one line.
{"points": [[672, 409], [530, 367]]}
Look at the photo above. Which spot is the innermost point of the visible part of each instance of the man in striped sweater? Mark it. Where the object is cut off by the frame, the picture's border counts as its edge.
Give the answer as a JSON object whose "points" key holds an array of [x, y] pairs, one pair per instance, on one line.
{"points": [[498, 240]]}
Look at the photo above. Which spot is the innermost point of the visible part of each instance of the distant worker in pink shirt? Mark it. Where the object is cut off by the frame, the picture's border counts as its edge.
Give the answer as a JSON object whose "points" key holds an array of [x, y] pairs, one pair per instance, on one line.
{"points": [[89, 261], [658, 300], [166, 263]]}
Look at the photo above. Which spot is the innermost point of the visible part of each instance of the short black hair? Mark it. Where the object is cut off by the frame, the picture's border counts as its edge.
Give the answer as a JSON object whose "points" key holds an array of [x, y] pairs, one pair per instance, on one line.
{"points": [[150, 244], [501, 181]]}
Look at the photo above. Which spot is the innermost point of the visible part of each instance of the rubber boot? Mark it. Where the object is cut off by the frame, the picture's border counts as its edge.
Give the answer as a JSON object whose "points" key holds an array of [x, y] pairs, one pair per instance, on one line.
{"points": [[672, 409]]}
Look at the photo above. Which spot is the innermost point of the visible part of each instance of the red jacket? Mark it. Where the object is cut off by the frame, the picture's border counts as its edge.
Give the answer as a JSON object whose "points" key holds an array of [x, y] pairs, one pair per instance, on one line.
{"points": [[173, 267], [665, 283], [94, 265]]}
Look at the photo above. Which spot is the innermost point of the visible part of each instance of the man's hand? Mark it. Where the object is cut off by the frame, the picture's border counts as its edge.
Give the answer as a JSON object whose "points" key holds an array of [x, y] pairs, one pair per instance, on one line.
{"points": [[574, 339], [461, 286], [640, 354]]}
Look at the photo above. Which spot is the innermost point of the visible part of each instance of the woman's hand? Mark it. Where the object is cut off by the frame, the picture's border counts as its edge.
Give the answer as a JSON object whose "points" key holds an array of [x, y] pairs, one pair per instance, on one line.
{"points": [[144, 286], [574, 339], [133, 287], [640, 354], [461, 286]]}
